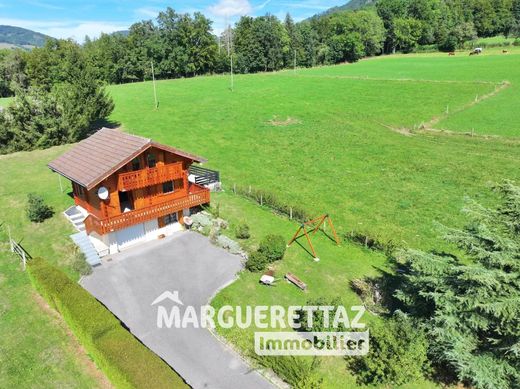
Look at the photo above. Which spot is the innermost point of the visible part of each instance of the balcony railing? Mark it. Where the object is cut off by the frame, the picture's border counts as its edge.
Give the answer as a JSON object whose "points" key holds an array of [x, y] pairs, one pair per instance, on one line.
{"points": [[197, 195], [149, 176]]}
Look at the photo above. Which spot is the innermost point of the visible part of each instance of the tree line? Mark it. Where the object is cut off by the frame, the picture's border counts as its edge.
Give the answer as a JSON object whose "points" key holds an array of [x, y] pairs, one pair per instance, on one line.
{"points": [[183, 45], [60, 86]]}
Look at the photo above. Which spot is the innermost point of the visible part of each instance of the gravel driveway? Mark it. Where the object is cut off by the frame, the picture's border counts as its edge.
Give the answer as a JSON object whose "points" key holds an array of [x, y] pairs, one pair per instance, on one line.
{"points": [[190, 264]]}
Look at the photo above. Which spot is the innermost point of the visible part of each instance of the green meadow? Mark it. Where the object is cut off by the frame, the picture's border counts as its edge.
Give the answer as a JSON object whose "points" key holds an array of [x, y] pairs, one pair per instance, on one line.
{"points": [[389, 147], [346, 140]]}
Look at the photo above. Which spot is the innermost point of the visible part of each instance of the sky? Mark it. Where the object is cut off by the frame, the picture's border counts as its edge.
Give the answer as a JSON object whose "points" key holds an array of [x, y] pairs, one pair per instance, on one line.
{"points": [[76, 19]]}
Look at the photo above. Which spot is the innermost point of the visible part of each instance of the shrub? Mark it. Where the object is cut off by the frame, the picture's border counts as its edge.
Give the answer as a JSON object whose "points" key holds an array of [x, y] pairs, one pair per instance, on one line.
{"points": [[115, 350], [397, 354], [80, 264], [256, 262], [37, 210], [318, 317], [273, 247], [242, 231], [299, 372]]}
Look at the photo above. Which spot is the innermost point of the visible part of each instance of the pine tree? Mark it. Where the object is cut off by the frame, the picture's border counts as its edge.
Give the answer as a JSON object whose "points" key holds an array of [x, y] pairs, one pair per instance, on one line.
{"points": [[470, 306]]}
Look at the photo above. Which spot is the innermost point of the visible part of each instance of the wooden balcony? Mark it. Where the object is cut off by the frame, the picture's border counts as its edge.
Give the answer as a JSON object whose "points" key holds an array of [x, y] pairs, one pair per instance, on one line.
{"points": [[197, 195], [149, 176]]}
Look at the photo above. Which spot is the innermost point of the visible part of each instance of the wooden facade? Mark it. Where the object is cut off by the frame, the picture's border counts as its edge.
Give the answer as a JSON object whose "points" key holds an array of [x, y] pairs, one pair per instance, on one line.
{"points": [[153, 185]]}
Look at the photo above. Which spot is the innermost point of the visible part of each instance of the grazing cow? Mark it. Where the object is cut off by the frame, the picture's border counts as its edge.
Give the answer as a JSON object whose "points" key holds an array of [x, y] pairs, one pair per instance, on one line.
{"points": [[473, 53], [451, 53], [504, 51]]}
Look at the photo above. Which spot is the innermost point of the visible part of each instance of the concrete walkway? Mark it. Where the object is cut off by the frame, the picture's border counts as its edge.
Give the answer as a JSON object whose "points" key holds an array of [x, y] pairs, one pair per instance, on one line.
{"points": [[189, 264]]}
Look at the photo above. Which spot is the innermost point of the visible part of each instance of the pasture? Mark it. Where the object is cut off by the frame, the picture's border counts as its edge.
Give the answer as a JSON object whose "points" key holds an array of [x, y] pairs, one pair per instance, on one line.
{"points": [[380, 145], [346, 140]]}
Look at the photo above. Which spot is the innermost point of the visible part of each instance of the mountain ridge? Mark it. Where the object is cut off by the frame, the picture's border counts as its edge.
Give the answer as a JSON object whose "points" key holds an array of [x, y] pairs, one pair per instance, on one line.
{"points": [[18, 37]]}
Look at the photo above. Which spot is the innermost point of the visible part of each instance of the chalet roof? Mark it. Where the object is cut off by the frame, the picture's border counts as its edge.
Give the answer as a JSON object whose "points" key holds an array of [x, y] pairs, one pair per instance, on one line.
{"points": [[102, 154]]}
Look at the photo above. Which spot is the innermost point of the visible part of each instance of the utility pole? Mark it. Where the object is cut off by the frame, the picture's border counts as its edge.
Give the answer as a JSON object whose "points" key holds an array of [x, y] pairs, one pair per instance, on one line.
{"points": [[232, 80], [154, 89], [227, 37]]}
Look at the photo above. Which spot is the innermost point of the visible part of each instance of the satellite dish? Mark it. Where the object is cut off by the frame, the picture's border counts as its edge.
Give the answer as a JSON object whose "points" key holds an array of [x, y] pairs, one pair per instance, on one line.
{"points": [[102, 193]]}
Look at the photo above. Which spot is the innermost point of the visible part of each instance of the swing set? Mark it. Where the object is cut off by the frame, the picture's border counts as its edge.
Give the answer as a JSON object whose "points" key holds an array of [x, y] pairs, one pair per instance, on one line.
{"points": [[311, 227]]}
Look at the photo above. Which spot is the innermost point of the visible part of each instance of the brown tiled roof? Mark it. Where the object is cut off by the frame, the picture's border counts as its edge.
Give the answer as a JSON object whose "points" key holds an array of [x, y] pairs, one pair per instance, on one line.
{"points": [[100, 155]]}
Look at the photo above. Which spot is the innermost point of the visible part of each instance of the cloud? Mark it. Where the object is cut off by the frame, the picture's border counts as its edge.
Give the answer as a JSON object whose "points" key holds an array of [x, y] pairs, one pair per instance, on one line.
{"points": [[262, 6], [147, 12], [76, 30], [228, 8]]}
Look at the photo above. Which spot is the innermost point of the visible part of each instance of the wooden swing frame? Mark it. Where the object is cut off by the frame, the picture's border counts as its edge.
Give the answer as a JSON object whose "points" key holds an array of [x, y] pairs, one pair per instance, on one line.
{"points": [[313, 226]]}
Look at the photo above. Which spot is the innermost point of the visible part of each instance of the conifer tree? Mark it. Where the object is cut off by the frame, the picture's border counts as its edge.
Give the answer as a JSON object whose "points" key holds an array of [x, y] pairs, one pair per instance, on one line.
{"points": [[470, 306]]}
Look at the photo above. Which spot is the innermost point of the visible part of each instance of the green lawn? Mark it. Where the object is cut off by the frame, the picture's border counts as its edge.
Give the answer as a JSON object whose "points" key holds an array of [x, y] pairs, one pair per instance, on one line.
{"points": [[344, 154], [36, 348], [328, 278], [339, 139]]}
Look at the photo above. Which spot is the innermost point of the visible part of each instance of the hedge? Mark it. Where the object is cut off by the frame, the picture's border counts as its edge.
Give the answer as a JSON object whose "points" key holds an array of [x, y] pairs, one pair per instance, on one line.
{"points": [[125, 361]]}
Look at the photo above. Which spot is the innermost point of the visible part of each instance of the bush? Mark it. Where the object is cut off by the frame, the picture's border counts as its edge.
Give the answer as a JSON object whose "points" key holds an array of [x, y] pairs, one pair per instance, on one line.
{"points": [[273, 247], [299, 372], [256, 262], [242, 231], [115, 350], [37, 210], [397, 354], [318, 317], [80, 264]]}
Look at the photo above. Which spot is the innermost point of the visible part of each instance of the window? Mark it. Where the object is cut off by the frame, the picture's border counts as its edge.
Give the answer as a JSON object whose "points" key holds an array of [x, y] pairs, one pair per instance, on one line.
{"points": [[151, 160], [170, 219], [167, 187], [135, 164]]}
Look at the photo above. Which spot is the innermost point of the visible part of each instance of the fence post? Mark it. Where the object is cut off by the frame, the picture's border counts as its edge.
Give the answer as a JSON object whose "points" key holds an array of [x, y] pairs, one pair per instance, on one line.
{"points": [[23, 260], [235, 188], [261, 199], [290, 213], [249, 189]]}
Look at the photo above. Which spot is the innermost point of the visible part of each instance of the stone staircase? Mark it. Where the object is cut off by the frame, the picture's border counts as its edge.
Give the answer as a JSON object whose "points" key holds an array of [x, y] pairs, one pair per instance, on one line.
{"points": [[85, 245], [76, 217], [81, 239]]}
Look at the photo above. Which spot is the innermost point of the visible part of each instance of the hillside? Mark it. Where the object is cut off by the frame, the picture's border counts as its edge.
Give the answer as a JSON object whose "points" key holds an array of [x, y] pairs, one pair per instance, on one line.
{"points": [[352, 5], [12, 37]]}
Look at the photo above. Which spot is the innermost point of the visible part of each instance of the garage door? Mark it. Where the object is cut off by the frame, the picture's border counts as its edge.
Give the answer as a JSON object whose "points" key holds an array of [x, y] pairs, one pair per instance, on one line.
{"points": [[130, 236]]}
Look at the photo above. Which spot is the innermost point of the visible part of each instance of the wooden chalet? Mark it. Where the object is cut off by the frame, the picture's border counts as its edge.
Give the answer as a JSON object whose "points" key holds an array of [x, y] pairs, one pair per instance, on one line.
{"points": [[129, 188]]}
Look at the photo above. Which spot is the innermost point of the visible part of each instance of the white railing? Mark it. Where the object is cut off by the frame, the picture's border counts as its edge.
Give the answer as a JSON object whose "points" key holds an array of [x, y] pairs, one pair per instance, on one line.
{"points": [[19, 250]]}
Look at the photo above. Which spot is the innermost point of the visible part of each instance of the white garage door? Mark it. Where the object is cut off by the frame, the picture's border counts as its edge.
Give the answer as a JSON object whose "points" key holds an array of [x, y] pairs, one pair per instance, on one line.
{"points": [[130, 236]]}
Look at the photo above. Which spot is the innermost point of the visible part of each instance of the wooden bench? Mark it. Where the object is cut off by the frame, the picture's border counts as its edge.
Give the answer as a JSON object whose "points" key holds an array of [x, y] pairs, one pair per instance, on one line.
{"points": [[296, 281]]}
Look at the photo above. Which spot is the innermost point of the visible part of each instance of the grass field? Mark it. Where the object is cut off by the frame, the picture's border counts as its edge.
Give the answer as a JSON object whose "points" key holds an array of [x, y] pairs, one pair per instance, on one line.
{"points": [[344, 152], [36, 348], [347, 140]]}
